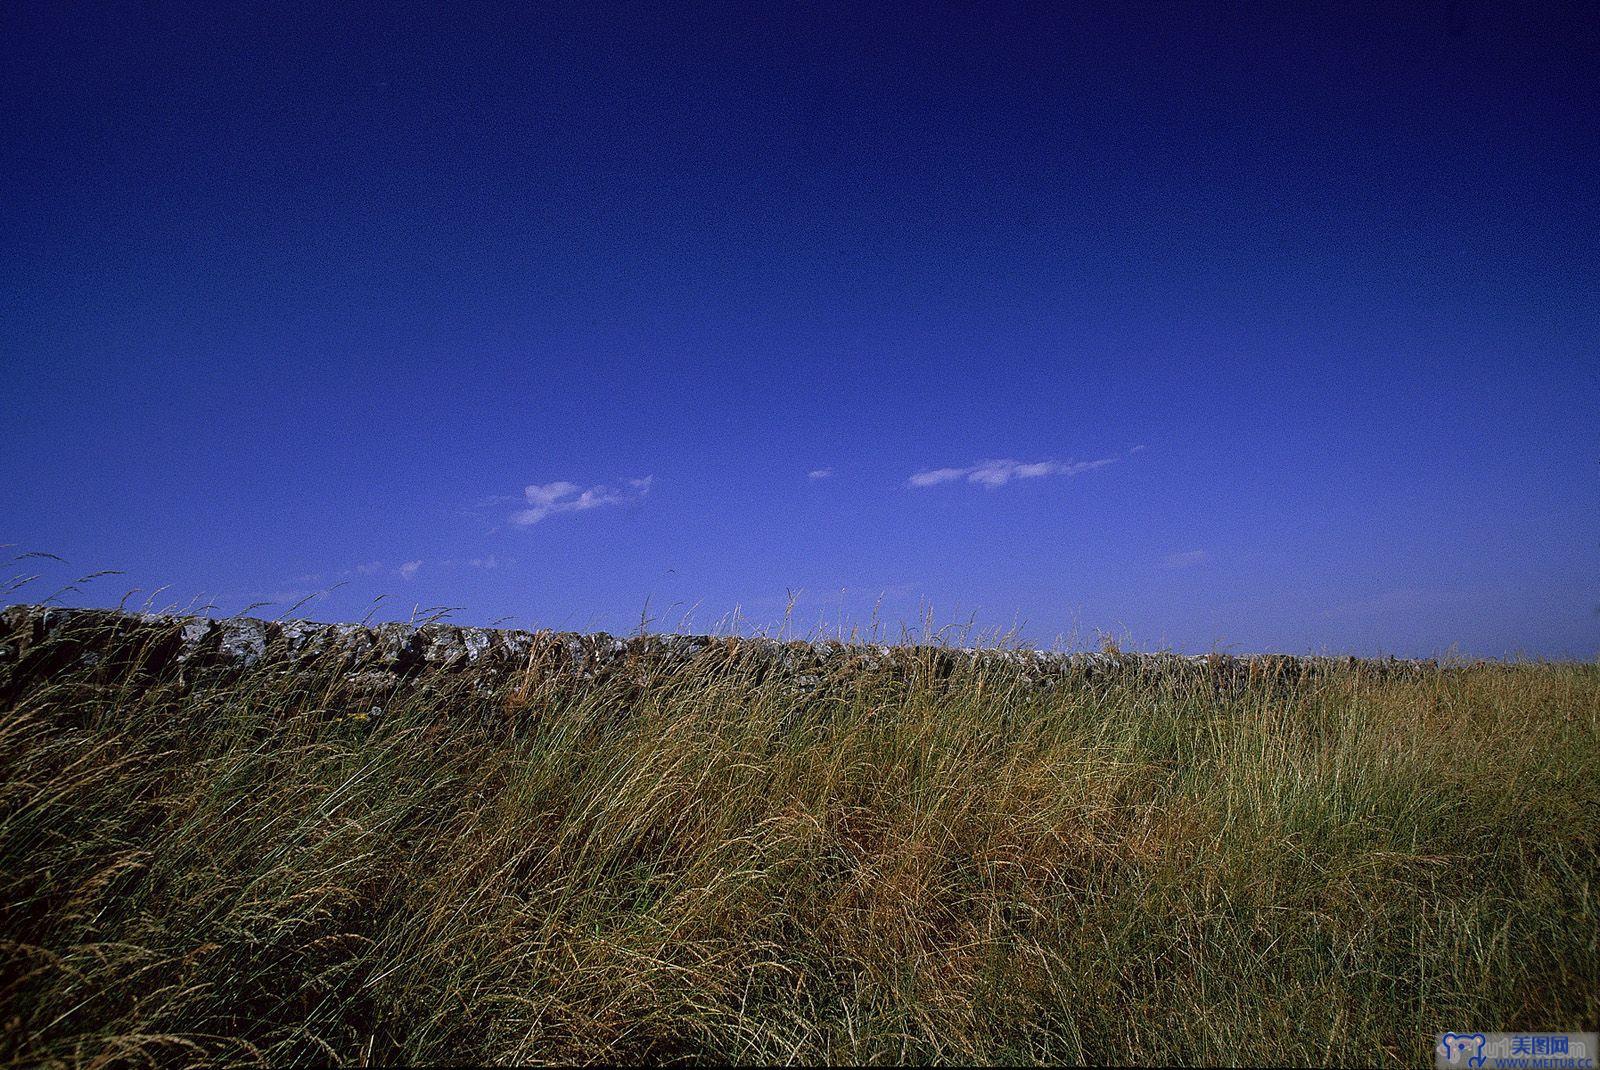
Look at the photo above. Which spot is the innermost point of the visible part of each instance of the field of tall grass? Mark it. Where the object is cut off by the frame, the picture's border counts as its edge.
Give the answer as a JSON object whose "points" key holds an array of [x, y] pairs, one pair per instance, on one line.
{"points": [[254, 867]]}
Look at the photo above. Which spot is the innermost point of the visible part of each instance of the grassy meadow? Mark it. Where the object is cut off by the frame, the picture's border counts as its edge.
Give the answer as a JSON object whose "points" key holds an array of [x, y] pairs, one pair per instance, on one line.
{"points": [[253, 867]]}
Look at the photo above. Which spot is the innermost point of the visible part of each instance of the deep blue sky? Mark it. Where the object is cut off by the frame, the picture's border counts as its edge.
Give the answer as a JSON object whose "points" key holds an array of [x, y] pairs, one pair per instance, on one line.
{"points": [[294, 296]]}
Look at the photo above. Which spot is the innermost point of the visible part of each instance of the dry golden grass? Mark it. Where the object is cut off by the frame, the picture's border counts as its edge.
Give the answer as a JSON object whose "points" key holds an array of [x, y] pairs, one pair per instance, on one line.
{"points": [[715, 869]]}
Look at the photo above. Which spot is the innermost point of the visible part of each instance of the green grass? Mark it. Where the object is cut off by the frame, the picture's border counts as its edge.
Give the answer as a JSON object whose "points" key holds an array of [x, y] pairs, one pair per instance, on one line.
{"points": [[1136, 871]]}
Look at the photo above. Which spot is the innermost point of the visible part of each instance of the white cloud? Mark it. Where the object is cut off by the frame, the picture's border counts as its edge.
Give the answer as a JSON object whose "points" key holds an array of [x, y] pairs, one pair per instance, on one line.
{"points": [[370, 568], [547, 499], [491, 562], [935, 476], [549, 493], [819, 473], [993, 474], [1186, 559], [409, 569]]}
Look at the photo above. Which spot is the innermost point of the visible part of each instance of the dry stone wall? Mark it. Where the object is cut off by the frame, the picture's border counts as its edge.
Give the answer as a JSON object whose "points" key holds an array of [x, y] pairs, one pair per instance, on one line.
{"points": [[37, 641]]}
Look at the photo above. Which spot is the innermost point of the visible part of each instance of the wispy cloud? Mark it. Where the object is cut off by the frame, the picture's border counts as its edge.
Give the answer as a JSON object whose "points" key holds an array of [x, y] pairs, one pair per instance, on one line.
{"points": [[1186, 559], [409, 569], [492, 561], [547, 499], [819, 473], [993, 474]]}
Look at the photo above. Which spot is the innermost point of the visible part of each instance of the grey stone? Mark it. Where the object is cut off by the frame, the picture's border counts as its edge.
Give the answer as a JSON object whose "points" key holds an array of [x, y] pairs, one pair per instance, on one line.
{"points": [[394, 642], [513, 646], [441, 645], [243, 641], [353, 640], [476, 642], [303, 638], [56, 619], [192, 638]]}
